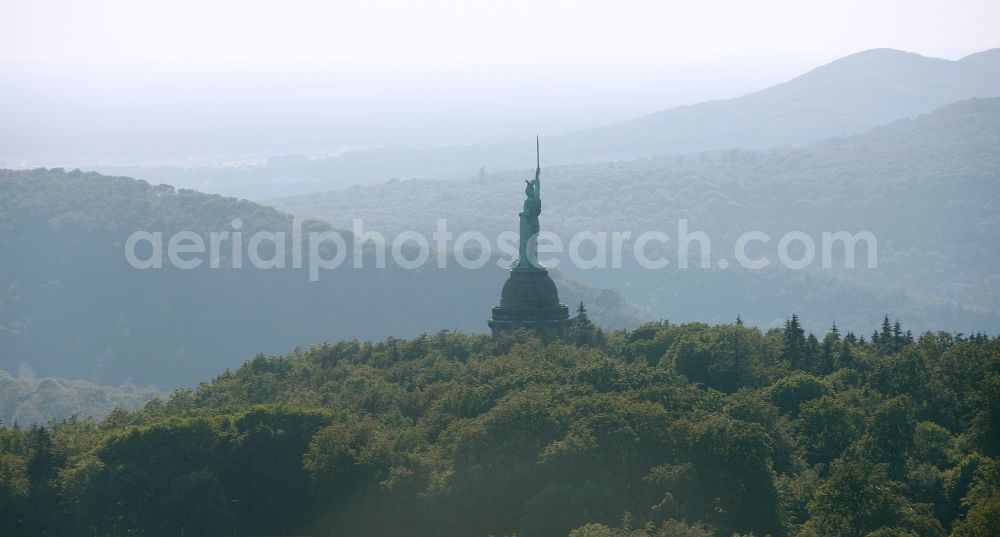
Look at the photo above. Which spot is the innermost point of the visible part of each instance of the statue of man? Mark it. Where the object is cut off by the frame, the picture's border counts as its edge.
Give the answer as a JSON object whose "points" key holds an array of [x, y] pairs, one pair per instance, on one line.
{"points": [[528, 247]]}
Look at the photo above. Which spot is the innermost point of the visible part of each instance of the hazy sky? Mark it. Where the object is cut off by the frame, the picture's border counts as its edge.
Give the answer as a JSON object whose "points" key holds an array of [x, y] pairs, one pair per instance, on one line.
{"points": [[393, 30], [76, 73]]}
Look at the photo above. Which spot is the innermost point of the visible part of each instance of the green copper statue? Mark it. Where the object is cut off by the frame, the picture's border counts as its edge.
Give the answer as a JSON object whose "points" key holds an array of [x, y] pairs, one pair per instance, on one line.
{"points": [[529, 298], [528, 249]]}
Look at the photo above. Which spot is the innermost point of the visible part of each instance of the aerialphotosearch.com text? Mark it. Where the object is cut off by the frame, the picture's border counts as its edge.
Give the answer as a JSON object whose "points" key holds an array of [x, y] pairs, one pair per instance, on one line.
{"points": [[319, 251]]}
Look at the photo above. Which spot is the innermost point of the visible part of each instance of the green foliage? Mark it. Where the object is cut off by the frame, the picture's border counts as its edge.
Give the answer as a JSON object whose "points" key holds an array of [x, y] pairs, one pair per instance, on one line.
{"points": [[457, 435], [858, 498], [982, 521], [669, 528], [932, 443], [828, 426], [889, 435], [720, 357], [789, 393]]}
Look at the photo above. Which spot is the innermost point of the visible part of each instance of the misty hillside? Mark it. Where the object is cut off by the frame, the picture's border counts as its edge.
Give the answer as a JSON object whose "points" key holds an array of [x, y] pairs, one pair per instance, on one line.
{"points": [[71, 305], [26, 400], [926, 187], [844, 97]]}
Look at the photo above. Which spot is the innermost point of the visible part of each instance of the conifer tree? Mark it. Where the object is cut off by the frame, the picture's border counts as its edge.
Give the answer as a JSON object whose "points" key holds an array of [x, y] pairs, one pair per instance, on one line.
{"points": [[583, 331], [795, 340]]}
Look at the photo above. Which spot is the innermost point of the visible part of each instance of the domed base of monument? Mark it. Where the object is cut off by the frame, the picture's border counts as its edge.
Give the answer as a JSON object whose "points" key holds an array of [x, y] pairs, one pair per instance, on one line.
{"points": [[530, 300]]}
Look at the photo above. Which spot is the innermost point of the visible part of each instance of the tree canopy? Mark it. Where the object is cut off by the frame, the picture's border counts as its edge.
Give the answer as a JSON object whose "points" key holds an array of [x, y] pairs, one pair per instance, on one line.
{"points": [[667, 430]]}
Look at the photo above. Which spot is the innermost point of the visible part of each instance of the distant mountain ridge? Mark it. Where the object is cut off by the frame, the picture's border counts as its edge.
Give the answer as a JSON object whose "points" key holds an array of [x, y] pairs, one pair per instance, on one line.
{"points": [[844, 97]]}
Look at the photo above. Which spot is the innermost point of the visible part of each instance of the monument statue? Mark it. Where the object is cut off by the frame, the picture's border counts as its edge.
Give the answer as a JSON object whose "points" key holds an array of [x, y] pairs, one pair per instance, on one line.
{"points": [[528, 249], [529, 298]]}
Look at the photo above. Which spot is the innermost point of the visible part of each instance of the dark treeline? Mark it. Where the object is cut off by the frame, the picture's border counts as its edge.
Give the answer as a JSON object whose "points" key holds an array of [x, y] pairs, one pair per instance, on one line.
{"points": [[669, 430]]}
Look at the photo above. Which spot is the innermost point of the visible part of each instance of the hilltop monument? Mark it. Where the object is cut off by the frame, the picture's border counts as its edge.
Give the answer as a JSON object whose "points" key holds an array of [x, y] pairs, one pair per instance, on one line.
{"points": [[529, 298]]}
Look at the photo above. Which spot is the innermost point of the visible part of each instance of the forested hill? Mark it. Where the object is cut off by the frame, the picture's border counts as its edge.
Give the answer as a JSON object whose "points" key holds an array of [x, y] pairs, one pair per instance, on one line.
{"points": [[928, 188], [71, 306], [668, 430], [970, 124]]}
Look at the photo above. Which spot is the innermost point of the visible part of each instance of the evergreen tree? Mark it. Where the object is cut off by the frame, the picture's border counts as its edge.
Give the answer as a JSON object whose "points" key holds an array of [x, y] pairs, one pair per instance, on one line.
{"points": [[582, 330], [581, 316], [827, 361], [846, 357], [811, 354], [795, 340], [883, 339], [897, 337]]}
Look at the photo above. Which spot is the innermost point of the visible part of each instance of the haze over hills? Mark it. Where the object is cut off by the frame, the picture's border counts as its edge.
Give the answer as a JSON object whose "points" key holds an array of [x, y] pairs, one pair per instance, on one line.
{"points": [[841, 98], [936, 176], [844, 97], [27, 401], [925, 187], [272, 268], [71, 305]]}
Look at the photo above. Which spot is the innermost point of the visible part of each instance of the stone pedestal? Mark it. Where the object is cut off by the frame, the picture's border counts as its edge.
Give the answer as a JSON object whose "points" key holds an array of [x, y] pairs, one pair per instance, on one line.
{"points": [[530, 300]]}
